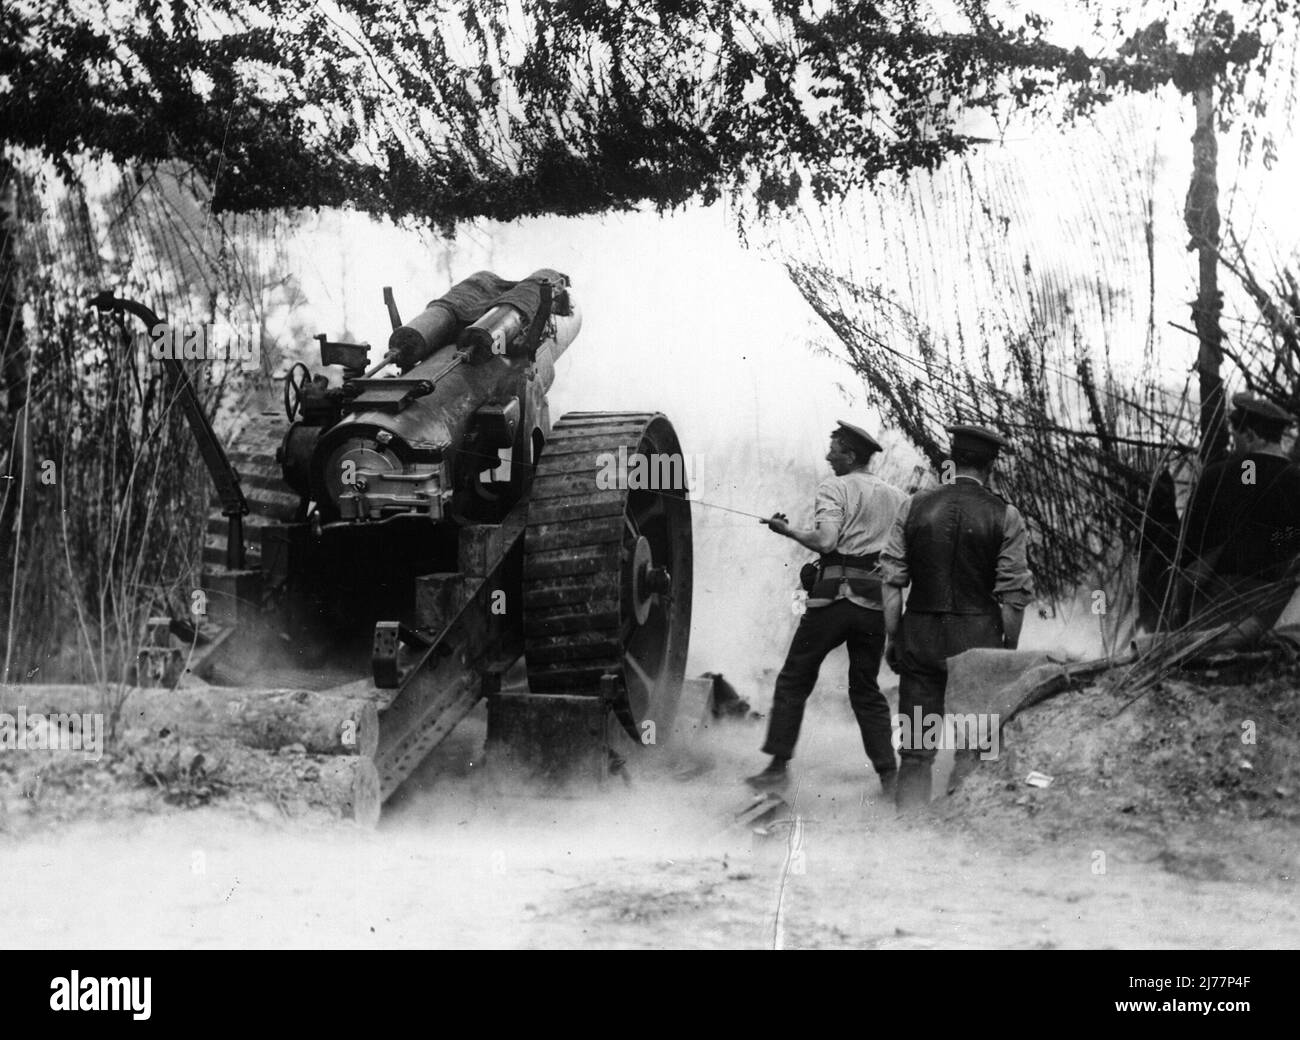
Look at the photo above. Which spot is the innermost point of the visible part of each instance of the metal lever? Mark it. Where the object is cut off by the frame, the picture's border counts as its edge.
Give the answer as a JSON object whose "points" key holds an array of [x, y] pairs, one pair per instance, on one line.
{"points": [[391, 304], [233, 504]]}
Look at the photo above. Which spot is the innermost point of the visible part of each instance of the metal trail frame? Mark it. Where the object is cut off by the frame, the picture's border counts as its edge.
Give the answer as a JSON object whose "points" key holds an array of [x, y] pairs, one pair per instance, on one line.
{"points": [[233, 504], [458, 665]]}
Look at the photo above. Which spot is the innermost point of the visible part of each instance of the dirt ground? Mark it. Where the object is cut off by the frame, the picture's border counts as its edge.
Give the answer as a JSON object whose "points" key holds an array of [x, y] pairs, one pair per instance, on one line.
{"points": [[1152, 834]]}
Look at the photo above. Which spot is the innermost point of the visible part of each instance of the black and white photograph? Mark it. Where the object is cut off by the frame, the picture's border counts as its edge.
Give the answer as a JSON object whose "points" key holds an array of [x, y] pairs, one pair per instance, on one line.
{"points": [[651, 475]]}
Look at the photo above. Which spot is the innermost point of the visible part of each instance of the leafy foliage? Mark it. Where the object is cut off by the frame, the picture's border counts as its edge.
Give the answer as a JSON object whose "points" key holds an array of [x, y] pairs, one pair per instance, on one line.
{"points": [[101, 524], [454, 110]]}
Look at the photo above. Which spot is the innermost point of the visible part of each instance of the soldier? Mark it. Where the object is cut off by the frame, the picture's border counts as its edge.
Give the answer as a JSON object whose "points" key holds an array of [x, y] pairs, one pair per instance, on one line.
{"points": [[962, 549], [1243, 527], [853, 512]]}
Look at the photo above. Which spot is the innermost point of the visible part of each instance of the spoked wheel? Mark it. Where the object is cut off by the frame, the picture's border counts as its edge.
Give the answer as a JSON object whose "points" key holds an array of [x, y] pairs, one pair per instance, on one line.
{"points": [[607, 565]]}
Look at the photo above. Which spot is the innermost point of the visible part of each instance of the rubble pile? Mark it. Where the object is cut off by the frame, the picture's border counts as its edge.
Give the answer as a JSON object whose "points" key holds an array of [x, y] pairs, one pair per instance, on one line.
{"points": [[1204, 758]]}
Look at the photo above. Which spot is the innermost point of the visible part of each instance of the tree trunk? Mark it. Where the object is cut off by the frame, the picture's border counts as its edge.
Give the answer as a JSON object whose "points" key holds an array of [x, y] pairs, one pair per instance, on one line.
{"points": [[15, 458], [1201, 214], [343, 787]]}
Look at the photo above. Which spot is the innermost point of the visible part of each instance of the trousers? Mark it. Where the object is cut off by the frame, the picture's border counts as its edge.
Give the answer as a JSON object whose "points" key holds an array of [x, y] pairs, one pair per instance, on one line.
{"points": [[820, 631], [925, 642]]}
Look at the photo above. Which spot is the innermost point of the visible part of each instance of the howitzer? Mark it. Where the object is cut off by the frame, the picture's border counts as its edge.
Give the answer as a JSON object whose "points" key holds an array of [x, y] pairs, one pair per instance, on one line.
{"points": [[413, 537], [429, 442]]}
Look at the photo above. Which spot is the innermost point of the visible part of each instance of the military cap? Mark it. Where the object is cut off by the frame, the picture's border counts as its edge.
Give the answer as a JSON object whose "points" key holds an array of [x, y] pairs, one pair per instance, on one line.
{"points": [[1257, 406], [857, 433], [977, 439]]}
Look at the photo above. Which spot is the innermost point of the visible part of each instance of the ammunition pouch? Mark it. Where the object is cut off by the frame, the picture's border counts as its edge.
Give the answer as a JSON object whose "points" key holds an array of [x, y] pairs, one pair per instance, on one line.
{"points": [[834, 569]]}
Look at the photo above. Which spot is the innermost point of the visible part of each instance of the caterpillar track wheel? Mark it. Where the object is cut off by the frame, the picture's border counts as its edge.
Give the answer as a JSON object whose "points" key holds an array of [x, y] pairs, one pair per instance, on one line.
{"points": [[607, 565]]}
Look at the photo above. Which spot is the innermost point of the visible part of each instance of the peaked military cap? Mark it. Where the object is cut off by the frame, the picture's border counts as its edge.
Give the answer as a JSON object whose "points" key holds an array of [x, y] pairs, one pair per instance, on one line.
{"points": [[858, 433], [1267, 410], [976, 438]]}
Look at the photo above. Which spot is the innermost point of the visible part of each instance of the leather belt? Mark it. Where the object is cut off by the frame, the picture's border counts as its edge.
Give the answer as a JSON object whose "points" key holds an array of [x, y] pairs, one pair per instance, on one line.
{"points": [[838, 571], [835, 559]]}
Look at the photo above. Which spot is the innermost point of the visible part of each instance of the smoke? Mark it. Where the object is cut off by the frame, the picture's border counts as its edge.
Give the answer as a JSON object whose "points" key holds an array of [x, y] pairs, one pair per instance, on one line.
{"points": [[463, 858], [675, 799]]}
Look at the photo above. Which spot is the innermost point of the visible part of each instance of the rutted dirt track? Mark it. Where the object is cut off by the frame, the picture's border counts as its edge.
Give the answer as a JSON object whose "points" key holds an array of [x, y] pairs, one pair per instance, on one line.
{"points": [[463, 861]]}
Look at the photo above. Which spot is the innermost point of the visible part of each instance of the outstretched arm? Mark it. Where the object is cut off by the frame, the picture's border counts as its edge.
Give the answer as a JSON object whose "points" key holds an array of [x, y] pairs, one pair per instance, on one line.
{"points": [[828, 515], [820, 539]]}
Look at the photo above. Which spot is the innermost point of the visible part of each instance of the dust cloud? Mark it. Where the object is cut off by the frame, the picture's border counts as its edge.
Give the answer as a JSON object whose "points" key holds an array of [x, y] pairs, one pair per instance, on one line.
{"points": [[468, 859]]}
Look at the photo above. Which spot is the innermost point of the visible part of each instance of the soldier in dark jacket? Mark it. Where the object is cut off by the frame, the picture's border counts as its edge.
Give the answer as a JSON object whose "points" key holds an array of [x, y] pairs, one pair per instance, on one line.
{"points": [[961, 548], [1243, 528]]}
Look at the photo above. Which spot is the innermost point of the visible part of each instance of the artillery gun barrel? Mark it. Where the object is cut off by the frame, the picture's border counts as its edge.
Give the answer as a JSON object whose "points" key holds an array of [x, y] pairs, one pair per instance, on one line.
{"points": [[566, 330], [494, 330], [417, 439], [431, 329]]}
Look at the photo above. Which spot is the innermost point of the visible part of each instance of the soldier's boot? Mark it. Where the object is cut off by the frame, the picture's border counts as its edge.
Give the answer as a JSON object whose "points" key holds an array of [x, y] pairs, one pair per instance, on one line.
{"points": [[773, 778]]}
